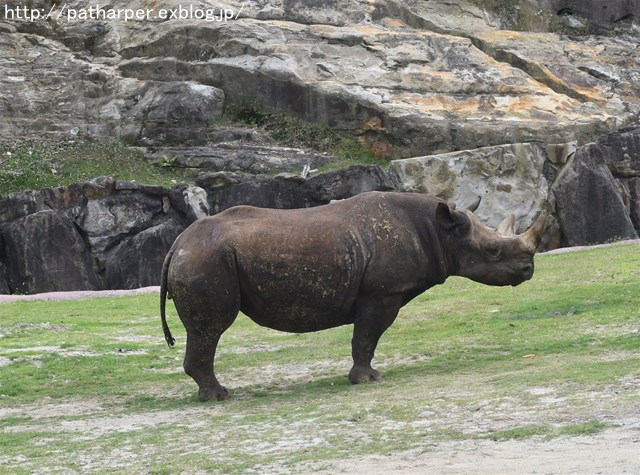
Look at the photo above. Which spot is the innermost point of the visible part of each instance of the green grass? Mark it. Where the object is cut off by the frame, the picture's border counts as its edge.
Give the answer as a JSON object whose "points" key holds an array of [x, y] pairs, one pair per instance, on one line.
{"points": [[34, 165], [549, 431], [90, 386]]}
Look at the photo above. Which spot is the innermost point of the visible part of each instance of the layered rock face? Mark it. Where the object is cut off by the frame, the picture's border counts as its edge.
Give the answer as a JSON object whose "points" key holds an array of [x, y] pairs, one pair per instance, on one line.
{"points": [[408, 78], [591, 191]]}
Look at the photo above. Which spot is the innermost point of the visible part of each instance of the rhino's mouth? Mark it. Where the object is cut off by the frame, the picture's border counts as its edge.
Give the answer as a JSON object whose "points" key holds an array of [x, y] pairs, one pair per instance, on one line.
{"points": [[522, 279]]}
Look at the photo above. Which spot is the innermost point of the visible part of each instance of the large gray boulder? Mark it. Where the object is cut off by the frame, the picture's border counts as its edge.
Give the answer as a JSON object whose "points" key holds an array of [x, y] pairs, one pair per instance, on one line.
{"points": [[107, 221], [591, 206], [261, 191], [173, 113], [347, 182], [510, 179], [226, 189], [103, 233], [620, 150], [21, 204], [136, 262], [4, 285], [634, 206], [44, 252]]}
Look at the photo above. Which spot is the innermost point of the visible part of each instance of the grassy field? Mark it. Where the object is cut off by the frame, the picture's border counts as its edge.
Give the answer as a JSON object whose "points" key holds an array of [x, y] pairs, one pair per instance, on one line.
{"points": [[91, 387]]}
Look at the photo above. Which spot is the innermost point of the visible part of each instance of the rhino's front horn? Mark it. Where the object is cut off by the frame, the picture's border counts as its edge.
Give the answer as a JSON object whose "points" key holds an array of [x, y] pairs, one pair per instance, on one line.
{"points": [[532, 236]]}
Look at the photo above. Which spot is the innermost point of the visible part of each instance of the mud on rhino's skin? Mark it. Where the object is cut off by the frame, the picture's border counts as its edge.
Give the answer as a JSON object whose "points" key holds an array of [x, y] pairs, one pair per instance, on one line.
{"points": [[357, 261]]}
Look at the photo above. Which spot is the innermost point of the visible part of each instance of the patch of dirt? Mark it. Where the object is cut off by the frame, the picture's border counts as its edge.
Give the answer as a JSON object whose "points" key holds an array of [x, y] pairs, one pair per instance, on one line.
{"points": [[51, 409], [26, 326], [89, 428], [613, 451], [36, 359], [284, 375], [77, 295]]}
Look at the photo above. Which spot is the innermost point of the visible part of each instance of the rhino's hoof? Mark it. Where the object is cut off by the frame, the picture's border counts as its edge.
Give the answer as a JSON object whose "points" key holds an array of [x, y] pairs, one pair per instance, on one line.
{"points": [[359, 375], [207, 394]]}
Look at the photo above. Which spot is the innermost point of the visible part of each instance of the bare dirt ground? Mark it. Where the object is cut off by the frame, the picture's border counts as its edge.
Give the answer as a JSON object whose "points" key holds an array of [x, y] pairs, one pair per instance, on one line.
{"points": [[76, 295], [612, 452], [615, 450]]}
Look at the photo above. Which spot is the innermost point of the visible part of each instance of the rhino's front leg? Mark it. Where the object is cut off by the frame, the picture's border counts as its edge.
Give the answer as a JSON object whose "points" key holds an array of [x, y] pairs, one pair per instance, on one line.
{"points": [[373, 317]]}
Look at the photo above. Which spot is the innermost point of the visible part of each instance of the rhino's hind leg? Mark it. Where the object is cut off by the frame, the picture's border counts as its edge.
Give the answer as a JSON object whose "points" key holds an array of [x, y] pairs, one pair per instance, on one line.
{"points": [[373, 317], [205, 320], [198, 363]]}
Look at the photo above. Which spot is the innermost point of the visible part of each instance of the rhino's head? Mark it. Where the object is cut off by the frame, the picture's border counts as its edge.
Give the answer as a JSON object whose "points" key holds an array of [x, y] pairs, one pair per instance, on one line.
{"points": [[490, 256]]}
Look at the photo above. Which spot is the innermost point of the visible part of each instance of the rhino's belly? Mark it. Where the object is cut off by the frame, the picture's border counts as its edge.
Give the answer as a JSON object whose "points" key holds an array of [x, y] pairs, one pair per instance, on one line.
{"points": [[297, 319], [298, 299]]}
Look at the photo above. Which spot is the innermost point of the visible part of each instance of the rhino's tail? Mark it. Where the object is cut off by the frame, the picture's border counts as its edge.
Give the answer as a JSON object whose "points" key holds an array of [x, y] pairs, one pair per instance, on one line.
{"points": [[163, 300]]}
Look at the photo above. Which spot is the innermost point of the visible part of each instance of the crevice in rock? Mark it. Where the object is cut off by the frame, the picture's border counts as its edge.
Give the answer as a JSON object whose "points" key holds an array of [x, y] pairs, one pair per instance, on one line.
{"points": [[628, 16], [394, 10], [602, 76]]}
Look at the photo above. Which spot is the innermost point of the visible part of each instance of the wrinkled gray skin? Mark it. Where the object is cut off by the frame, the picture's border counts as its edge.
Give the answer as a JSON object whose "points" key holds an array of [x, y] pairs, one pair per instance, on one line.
{"points": [[356, 262]]}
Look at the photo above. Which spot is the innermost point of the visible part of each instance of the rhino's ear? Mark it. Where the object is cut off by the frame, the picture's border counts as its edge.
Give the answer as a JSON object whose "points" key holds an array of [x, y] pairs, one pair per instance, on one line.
{"points": [[450, 219]]}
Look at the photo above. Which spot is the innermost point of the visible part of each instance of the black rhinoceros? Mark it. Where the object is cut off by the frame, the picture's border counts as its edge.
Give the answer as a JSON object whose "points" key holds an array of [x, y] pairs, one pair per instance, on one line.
{"points": [[357, 261]]}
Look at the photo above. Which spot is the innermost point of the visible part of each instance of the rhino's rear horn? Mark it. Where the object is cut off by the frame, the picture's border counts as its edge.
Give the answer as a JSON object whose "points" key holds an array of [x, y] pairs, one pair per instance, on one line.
{"points": [[507, 227], [474, 206], [532, 236]]}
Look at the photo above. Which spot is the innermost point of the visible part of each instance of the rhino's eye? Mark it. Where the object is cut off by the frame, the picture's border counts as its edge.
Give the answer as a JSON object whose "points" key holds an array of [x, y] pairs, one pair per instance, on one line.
{"points": [[493, 252]]}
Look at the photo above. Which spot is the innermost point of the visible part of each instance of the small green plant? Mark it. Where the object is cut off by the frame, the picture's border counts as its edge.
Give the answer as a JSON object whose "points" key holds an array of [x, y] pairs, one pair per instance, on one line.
{"points": [[249, 112], [168, 162]]}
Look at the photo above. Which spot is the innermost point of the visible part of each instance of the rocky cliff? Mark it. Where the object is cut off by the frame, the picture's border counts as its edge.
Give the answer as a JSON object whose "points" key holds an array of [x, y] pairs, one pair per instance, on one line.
{"points": [[530, 104]]}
